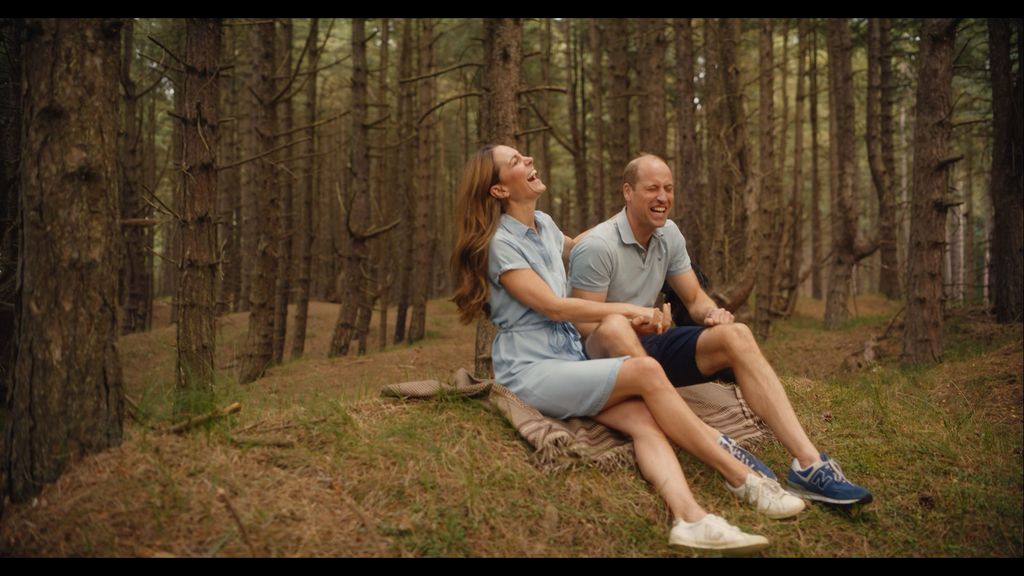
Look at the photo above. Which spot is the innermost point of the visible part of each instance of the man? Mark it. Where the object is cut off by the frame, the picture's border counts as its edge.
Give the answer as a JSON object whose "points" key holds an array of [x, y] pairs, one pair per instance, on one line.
{"points": [[627, 259]]}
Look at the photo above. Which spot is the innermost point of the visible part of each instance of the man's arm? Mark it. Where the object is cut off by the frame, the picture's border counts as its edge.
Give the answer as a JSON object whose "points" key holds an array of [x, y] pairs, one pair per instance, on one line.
{"points": [[643, 325], [700, 306]]}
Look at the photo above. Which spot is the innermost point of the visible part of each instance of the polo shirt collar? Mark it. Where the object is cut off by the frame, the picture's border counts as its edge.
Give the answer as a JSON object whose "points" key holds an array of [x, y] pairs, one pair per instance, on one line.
{"points": [[626, 231]]}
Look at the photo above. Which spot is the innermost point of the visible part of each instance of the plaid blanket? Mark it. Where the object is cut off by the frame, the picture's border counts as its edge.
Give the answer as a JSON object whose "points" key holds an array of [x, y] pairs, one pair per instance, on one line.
{"points": [[559, 444]]}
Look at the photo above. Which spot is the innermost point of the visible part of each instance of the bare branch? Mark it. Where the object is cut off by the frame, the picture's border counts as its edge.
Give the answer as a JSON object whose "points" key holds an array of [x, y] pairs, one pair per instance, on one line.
{"points": [[446, 101], [267, 153], [439, 72]]}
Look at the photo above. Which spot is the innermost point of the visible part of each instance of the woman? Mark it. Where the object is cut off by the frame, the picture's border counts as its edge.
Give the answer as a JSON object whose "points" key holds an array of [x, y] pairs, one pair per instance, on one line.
{"points": [[508, 262]]}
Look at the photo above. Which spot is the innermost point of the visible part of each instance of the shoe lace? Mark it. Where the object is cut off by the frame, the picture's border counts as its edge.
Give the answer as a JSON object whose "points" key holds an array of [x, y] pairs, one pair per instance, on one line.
{"points": [[737, 452], [767, 493], [837, 472]]}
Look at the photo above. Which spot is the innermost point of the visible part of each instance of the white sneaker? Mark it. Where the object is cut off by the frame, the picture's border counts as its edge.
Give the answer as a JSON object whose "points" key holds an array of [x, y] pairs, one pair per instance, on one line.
{"points": [[714, 533], [768, 497]]}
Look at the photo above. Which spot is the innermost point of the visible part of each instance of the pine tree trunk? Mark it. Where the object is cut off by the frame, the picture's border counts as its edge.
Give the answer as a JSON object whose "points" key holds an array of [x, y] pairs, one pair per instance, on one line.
{"points": [[877, 98], [508, 43], [357, 214], [816, 233], [260, 339], [195, 370], [1008, 222], [386, 188], [603, 187], [67, 396], [922, 334], [405, 164], [689, 206], [847, 251], [502, 68], [248, 223], [769, 237], [133, 208], [651, 64], [579, 158], [304, 229], [286, 189], [617, 42]]}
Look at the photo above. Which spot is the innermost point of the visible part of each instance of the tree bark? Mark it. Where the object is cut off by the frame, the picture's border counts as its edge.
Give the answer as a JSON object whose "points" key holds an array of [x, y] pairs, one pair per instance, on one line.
{"points": [[134, 272], [922, 334], [407, 129], [67, 396], [651, 76], [879, 108], [847, 251], [304, 230], [1007, 269], [816, 234], [200, 126], [508, 42], [357, 214], [769, 234], [688, 210], [260, 338], [285, 186]]}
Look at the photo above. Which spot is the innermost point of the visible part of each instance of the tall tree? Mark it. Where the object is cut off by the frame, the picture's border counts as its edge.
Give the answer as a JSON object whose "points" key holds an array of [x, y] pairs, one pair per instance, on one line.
{"points": [[134, 210], [503, 60], [304, 229], [651, 80], [406, 147], [1007, 175], [577, 120], [286, 188], [770, 232], [603, 186], [423, 233], [11, 39], [816, 233], [357, 213], [845, 246], [67, 396], [195, 369], [617, 45], [922, 335], [688, 208], [878, 136], [260, 338]]}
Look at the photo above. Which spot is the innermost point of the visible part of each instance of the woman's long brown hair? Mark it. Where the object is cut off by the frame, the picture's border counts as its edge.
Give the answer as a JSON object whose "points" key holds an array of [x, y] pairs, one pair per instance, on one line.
{"points": [[477, 214]]}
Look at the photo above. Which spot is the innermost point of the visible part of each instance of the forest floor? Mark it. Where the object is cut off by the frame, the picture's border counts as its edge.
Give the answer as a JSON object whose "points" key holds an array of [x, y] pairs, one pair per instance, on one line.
{"points": [[317, 464]]}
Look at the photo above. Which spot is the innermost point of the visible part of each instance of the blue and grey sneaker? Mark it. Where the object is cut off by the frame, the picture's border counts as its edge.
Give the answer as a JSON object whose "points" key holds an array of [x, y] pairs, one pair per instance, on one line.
{"points": [[745, 457], [824, 481]]}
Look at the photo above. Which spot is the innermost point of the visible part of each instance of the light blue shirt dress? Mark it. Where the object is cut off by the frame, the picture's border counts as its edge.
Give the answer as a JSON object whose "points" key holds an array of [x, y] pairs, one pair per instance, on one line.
{"points": [[538, 359]]}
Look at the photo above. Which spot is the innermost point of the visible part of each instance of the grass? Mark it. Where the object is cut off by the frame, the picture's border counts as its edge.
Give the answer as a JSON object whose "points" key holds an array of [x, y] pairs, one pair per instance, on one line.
{"points": [[940, 447]]}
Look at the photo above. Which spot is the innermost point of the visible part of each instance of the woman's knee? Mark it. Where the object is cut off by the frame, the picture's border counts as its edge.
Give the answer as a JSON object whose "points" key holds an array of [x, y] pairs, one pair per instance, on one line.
{"points": [[643, 374]]}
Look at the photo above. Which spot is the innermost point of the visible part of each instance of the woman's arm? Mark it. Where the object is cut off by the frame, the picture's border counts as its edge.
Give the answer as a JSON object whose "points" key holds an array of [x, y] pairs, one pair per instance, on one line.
{"points": [[530, 289]]}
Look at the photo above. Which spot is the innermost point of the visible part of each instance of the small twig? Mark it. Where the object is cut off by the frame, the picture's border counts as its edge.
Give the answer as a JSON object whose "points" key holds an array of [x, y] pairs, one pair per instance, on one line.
{"points": [[439, 72], [446, 101], [267, 153], [164, 207], [222, 495], [892, 323], [143, 222], [197, 420], [167, 50]]}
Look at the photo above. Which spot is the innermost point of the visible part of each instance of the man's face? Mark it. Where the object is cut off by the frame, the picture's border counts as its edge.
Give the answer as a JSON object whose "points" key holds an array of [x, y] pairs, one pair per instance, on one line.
{"points": [[648, 205]]}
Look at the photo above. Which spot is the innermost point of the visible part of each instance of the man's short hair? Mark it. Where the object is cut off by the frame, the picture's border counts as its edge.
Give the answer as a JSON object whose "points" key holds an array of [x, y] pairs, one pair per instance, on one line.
{"points": [[629, 175]]}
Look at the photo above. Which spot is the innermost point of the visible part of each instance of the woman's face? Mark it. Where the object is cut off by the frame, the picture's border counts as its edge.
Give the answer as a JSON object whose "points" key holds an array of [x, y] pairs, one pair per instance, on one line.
{"points": [[517, 179]]}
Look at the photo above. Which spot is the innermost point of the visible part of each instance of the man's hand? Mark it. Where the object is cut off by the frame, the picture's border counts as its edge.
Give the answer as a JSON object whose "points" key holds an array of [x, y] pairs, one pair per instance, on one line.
{"points": [[655, 323], [718, 316]]}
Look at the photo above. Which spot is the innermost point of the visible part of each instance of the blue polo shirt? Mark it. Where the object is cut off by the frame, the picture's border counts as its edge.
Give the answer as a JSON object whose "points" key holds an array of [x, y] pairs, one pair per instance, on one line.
{"points": [[610, 259]]}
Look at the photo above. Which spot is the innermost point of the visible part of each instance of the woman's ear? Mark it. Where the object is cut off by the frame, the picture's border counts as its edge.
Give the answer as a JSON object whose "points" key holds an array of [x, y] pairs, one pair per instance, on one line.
{"points": [[498, 191]]}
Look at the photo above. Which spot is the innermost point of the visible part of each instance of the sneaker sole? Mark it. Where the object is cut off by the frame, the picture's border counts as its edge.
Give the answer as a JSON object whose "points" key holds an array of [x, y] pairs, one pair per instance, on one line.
{"points": [[800, 493], [745, 549]]}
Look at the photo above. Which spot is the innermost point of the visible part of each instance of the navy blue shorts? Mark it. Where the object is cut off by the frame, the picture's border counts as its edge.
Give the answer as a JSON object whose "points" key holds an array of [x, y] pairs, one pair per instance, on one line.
{"points": [[676, 351]]}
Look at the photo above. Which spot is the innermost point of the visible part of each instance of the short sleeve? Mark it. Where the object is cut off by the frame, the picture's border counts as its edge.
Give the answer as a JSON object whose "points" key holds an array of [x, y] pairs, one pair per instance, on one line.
{"points": [[591, 265], [504, 255], [679, 260]]}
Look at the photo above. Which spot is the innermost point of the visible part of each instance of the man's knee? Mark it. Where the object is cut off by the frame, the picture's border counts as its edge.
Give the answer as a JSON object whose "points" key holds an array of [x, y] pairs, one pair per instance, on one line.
{"points": [[644, 375], [738, 340]]}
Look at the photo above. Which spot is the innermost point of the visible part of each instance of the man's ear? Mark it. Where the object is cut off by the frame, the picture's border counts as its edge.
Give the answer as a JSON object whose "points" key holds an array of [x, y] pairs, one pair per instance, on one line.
{"points": [[627, 191], [498, 191]]}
